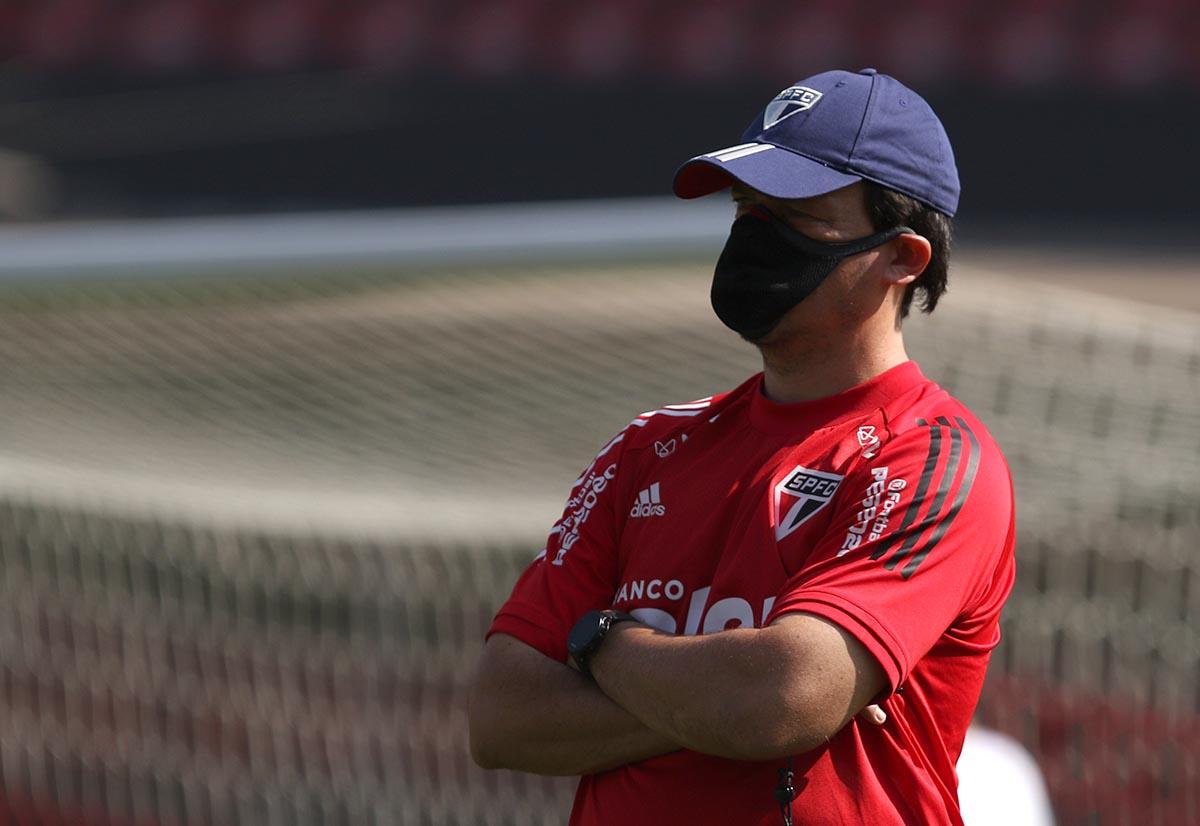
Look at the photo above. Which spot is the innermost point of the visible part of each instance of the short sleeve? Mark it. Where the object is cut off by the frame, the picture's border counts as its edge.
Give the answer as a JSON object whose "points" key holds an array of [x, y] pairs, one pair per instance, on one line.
{"points": [[919, 546], [577, 570]]}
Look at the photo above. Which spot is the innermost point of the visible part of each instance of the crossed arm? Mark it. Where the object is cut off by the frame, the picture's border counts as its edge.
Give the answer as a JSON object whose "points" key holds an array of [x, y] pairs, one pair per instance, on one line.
{"points": [[748, 694]]}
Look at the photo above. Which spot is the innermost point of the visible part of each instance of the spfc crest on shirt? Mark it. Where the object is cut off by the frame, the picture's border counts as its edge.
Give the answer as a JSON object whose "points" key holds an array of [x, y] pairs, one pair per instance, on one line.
{"points": [[801, 494]]}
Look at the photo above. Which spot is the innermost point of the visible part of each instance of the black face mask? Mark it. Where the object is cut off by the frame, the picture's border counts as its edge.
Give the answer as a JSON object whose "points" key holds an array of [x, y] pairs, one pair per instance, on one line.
{"points": [[767, 268]]}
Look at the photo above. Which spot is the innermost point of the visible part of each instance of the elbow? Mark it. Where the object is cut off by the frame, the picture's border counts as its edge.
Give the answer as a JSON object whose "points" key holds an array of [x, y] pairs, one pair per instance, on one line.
{"points": [[776, 744], [484, 751], [773, 725], [791, 740], [481, 746], [485, 741], [487, 746]]}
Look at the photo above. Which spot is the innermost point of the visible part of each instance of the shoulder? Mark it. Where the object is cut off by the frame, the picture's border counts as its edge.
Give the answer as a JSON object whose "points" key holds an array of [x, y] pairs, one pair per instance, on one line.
{"points": [[930, 418], [944, 476], [663, 429], [658, 432]]}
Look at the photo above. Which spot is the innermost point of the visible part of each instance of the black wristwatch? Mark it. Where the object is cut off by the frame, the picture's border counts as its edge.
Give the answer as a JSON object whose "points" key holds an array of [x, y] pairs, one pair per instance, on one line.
{"points": [[587, 634]]}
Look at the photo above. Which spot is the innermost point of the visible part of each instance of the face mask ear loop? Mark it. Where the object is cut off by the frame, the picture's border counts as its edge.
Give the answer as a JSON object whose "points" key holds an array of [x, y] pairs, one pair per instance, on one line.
{"points": [[838, 249], [824, 249]]}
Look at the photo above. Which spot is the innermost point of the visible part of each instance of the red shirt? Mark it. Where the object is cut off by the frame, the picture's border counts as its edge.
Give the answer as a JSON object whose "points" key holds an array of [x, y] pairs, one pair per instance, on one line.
{"points": [[886, 509]]}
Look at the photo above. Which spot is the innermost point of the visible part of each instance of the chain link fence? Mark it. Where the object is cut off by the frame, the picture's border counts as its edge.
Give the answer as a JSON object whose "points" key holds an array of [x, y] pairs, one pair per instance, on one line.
{"points": [[252, 529]]}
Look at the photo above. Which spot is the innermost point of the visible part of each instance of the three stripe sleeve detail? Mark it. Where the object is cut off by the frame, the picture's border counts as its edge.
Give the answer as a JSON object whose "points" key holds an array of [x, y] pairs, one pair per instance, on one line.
{"points": [[910, 513], [937, 519]]}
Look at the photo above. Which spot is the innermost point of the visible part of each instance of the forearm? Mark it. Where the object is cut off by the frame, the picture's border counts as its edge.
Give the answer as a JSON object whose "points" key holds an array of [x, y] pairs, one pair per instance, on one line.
{"points": [[707, 693], [533, 714], [751, 694]]}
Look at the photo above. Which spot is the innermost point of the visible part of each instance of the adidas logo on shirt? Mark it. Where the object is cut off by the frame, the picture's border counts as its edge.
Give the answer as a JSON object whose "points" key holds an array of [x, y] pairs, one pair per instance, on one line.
{"points": [[648, 503]]}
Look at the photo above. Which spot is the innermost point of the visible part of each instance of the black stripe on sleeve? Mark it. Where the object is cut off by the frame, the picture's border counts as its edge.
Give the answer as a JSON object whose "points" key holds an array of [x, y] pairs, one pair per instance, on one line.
{"points": [[960, 498], [910, 513], [939, 499]]}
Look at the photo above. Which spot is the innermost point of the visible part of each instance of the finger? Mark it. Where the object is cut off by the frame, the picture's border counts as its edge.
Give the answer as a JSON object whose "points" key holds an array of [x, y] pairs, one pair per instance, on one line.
{"points": [[874, 714]]}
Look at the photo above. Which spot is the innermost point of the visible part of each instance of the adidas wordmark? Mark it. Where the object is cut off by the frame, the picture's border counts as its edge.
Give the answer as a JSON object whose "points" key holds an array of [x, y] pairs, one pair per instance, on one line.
{"points": [[648, 503]]}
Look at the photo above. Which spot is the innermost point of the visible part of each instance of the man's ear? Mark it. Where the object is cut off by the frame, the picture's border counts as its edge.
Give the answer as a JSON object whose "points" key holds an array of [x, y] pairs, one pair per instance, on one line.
{"points": [[911, 255]]}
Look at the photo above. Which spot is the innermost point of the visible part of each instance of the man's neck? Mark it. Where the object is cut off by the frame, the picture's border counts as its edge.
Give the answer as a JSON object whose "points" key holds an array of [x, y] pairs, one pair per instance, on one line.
{"points": [[792, 374]]}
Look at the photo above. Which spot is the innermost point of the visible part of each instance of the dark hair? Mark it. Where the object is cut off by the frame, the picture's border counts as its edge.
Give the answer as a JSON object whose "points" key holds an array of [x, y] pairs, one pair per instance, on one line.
{"points": [[888, 208]]}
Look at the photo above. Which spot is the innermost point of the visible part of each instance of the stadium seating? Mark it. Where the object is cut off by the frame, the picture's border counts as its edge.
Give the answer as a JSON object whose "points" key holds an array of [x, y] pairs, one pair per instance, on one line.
{"points": [[1030, 44]]}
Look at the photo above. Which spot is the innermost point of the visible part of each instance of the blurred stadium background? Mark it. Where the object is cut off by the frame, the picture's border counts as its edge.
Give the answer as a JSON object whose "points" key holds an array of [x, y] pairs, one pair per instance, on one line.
{"points": [[286, 405]]}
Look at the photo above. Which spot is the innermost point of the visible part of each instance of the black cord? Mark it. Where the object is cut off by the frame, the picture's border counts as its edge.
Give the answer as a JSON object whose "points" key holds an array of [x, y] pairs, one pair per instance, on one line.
{"points": [[785, 793]]}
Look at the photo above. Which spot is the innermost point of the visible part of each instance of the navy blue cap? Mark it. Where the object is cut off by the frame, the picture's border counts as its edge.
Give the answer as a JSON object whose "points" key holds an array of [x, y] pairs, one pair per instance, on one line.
{"points": [[829, 131]]}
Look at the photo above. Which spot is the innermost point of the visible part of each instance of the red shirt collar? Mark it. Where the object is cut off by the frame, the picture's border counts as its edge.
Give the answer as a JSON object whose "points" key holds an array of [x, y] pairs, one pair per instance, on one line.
{"points": [[854, 403]]}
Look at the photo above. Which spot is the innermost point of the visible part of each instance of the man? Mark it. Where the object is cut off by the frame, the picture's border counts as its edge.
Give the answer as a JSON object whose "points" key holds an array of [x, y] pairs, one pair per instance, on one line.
{"points": [[741, 581]]}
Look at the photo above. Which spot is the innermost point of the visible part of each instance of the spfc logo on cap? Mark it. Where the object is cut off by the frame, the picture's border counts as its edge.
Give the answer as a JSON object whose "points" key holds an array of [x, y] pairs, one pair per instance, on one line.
{"points": [[801, 494], [788, 102]]}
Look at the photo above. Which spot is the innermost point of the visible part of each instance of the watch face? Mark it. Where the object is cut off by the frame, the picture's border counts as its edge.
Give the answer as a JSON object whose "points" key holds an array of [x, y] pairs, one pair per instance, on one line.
{"points": [[583, 633]]}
